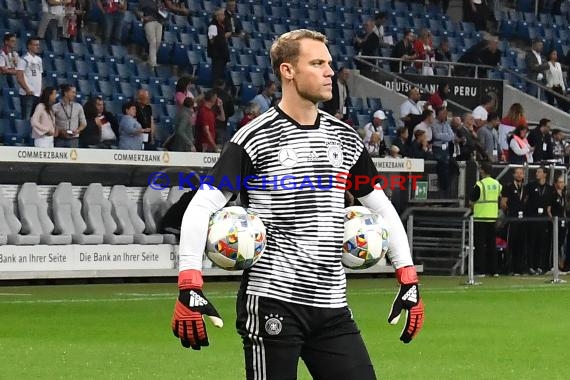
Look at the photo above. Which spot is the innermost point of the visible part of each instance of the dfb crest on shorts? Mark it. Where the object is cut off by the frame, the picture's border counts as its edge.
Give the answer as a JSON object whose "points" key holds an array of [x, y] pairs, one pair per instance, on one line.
{"points": [[334, 154], [273, 324]]}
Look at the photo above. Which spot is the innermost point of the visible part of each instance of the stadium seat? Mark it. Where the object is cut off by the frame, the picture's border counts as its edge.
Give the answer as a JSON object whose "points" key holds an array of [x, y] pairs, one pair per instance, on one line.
{"points": [[154, 208], [97, 215], [124, 210], [67, 216], [10, 226], [174, 194], [34, 216]]}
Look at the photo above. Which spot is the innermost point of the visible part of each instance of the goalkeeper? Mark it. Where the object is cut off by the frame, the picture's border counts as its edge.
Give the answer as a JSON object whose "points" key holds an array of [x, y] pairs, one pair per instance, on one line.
{"points": [[292, 302]]}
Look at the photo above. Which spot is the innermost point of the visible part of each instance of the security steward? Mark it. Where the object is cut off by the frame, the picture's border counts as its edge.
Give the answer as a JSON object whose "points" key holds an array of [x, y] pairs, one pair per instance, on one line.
{"points": [[558, 208], [485, 203], [512, 203]]}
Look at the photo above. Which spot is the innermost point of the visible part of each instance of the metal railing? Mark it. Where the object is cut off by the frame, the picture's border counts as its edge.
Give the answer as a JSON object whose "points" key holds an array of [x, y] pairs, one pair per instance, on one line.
{"points": [[451, 65]]}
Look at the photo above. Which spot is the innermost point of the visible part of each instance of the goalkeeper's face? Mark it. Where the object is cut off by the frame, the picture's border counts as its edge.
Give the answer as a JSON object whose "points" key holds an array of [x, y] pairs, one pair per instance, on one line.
{"points": [[312, 71]]}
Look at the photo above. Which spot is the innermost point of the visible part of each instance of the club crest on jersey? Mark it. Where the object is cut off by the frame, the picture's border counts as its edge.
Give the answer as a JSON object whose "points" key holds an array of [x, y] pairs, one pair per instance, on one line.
{"points": [[287, 157], [334, 154], [273, 325]]}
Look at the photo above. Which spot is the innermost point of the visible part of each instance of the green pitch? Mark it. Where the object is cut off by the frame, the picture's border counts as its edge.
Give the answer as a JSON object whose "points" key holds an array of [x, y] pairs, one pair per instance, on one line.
{"points": [[507, 328]]}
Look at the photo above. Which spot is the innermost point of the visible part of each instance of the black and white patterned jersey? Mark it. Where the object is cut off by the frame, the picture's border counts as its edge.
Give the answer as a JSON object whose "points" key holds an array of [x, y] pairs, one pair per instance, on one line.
{"points": [[293, 177]]}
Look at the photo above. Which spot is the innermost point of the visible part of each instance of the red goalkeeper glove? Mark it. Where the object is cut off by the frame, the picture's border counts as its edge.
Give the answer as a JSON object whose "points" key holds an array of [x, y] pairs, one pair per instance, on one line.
{"points": [[408, 299], [188, 322]]}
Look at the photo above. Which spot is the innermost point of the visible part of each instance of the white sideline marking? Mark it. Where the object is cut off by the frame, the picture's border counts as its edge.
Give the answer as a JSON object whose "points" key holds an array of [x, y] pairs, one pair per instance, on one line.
{"points": [[15, 294], [172, 296]]}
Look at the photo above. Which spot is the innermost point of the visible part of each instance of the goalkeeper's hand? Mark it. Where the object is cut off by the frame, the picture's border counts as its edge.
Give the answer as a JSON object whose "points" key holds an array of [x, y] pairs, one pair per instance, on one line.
{"points": [[408, 299], [188, 322]]}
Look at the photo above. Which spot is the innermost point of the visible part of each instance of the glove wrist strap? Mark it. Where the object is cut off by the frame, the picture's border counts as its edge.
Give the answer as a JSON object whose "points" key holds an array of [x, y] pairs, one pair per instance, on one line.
{"points": [[407, 275], [190, 279]]}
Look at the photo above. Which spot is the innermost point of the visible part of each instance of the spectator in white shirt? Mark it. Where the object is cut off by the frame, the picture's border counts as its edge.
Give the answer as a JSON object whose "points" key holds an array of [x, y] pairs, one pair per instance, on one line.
{"points": [[53, 13], [265, 98], [379, 21], [426, 125], [8, 59], [374, 135], [29, 77], [555, 81], [411, 112], [481, 113]]}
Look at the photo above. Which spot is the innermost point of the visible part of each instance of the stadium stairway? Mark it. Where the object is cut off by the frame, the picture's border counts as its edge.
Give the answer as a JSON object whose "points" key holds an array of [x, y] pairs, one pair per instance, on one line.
{"points": [[438, 238]]}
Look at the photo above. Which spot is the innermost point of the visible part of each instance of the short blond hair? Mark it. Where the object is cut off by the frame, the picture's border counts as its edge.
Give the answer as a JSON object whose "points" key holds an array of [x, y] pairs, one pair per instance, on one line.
{"points": [[286, 47]]}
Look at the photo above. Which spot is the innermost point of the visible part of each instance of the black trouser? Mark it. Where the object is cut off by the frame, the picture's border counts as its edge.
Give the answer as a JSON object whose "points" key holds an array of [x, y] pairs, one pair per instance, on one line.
{"points": [[517, 256], [539, 243], [218, 70], [561, 244], [276, 334], [485, 248]]}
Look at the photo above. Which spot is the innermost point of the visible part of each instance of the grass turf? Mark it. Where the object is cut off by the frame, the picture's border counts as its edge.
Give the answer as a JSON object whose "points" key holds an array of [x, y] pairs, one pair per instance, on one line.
{"points": [[506, 328]]}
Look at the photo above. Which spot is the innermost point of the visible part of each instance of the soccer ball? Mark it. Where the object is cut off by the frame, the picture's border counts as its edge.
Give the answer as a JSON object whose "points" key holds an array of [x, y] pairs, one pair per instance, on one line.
{"points": [[236, 238], [365, 239]]}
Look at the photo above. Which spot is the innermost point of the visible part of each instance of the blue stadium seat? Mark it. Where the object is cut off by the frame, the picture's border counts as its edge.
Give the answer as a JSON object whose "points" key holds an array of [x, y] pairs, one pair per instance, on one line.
{"points": [[247, 93], [204, 74], [256, 78], [164, 54]]}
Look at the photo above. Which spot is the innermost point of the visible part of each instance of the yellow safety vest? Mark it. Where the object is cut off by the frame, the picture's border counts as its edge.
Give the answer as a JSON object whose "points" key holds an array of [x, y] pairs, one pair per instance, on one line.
{"points": [[487, 207]]}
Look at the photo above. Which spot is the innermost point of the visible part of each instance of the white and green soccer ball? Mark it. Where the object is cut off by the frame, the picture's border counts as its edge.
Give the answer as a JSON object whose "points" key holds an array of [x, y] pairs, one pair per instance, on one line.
{"points": [[365, 240], [236, 238]]}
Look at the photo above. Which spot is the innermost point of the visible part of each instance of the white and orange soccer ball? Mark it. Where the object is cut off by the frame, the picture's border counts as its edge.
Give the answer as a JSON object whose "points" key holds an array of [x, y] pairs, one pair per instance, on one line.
{"points": [[236, 238], [365, 240]]}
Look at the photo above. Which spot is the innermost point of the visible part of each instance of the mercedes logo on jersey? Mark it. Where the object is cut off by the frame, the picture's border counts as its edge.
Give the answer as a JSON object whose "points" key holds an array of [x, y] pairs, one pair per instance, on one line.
{"points": [[287, 157]]}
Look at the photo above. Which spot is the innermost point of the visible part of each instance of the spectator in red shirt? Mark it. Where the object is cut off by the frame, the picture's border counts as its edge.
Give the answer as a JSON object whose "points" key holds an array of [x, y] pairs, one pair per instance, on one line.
{"points": [[438, 98], [423, 47], [251, 112], [206, 123]]}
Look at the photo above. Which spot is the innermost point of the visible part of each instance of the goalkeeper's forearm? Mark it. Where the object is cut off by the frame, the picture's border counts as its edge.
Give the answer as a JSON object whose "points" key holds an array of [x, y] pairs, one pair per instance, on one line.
{"points": [[194, 229], [399, 248]]}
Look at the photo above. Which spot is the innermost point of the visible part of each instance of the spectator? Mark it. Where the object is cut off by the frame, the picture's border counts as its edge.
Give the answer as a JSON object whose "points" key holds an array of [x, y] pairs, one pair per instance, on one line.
{"points": [[423, 48], [442, 136], [442, 53], [145, 119], [421, 147], [488, 137], [131, 131], [183, 90], [426, 125], [367, 45], [514, 119], [223, 112], [232, 23], [265, 98], [206, 123], [153, 17], [8, 60], [69, 118], [439, 98], [252, 110], [340, 102], [401, 141], [538, 204], [218, 48], [177, 7], [404, 50], [512, 203], [113, 15], [42, 121], [461, 149], [485, 52], [374, 135], [555, 82], [485, 202], [410, 111], [379, 21], [53, 12], [183, 138], [540, 139], [477, 12], [560, 147], [520, 151], [481, 112], [102, 128], [536, 65], [393, 152], [471, 136], [73, 19], [29, 77]]}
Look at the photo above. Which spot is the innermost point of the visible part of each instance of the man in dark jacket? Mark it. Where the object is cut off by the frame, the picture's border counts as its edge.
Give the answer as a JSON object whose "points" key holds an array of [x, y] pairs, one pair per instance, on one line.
{"points": [[485, 52], [339, 104], [541, 140], [218, 49]]}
